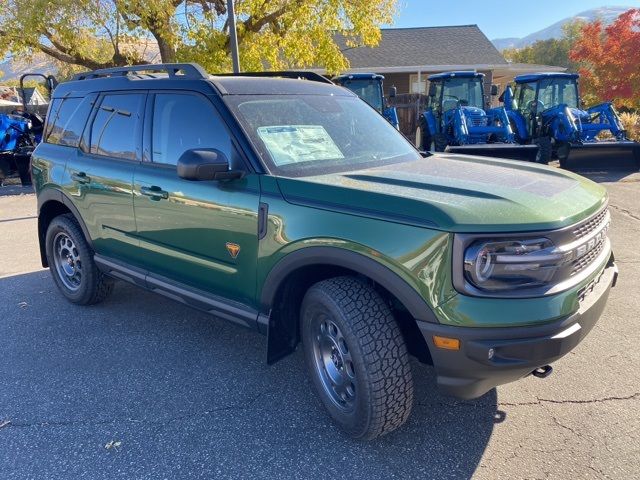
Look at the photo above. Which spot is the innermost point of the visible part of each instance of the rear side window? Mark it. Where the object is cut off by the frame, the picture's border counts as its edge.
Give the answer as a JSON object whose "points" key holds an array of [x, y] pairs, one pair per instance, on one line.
{"points": [[182, 122], [116, 128], [66, 120]]}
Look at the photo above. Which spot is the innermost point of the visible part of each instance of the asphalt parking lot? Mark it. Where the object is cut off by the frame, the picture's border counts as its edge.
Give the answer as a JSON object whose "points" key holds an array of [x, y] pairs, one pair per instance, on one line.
{"points": [[143, 387]]}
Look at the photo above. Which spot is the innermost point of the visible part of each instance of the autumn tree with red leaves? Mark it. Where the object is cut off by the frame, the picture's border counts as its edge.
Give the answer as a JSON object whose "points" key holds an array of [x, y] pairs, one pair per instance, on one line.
{"points": [[609, 59]]}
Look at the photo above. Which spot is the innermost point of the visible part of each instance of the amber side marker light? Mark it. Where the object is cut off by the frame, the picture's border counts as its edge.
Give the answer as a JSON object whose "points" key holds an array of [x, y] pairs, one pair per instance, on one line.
{"points": [[446, 342]]}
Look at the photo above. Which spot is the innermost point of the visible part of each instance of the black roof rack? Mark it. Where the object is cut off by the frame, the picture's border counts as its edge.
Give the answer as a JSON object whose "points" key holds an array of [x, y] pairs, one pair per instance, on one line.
{"points": [[296, 74], [174, 70]]}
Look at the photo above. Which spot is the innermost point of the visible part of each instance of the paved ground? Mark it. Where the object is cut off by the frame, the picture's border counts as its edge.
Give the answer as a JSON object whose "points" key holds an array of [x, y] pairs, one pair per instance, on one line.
{"points": [[142, 387]]}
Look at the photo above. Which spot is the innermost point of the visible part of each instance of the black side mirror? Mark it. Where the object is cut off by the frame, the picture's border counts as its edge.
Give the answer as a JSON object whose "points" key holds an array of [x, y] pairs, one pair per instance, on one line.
{"points": [[432, 89], [393, 91], [494, 90], [205, 164]]}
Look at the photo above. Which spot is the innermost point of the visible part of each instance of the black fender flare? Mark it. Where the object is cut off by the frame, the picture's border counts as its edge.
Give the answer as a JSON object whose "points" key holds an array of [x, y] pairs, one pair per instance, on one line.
{"points": [[379, 273], [53, 195]]}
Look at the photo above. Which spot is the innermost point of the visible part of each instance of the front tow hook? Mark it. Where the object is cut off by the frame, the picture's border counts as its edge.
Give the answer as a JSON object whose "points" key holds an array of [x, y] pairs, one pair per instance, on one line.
{"points": [[542, 372]]}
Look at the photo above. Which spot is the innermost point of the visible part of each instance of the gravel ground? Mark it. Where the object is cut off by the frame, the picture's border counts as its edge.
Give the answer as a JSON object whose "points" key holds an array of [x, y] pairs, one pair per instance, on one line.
{"points": [[143, 387]]}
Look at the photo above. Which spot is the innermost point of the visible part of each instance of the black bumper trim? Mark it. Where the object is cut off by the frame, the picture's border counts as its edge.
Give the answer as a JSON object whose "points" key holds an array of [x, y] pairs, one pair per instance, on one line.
{"points": [[489, 357]]}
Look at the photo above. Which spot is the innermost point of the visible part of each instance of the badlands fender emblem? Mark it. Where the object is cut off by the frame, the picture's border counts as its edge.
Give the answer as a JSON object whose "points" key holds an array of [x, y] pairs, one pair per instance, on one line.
{"points": [[233, 249]]}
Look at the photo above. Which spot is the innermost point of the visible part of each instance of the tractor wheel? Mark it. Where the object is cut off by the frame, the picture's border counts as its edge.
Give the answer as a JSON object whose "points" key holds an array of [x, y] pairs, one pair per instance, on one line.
{"points": [[440, 142], [563, 150], [544, 150], [423, 139]]}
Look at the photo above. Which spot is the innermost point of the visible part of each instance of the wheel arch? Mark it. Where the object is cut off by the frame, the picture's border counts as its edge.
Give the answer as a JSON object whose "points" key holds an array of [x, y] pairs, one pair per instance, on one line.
{"points": [[52, 203], [289, 279]]}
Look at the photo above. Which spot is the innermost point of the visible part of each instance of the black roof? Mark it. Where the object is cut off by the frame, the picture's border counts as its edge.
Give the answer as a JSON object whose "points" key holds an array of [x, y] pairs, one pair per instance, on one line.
{"points": [[193, 77], [400, 47]]}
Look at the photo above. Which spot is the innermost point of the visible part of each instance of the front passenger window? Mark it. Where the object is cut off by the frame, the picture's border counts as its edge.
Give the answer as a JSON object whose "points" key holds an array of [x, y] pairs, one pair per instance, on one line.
{"points": [[183, 122]]}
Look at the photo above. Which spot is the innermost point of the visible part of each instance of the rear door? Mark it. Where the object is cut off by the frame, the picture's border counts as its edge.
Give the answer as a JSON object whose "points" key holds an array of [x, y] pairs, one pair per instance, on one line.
{"points": [[199, 233], [100, 172]]}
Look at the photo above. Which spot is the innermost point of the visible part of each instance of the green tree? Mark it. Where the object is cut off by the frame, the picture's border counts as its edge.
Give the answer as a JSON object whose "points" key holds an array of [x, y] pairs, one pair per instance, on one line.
{"points": [[272, 34], [549, 52]]}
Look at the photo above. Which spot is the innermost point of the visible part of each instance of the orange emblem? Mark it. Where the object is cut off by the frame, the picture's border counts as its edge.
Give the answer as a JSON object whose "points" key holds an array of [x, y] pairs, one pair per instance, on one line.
{"points": [[233, 249]]}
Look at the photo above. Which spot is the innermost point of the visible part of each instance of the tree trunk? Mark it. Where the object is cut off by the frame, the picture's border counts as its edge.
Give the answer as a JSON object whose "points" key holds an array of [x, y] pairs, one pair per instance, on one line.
{"points": [[167, 51]]}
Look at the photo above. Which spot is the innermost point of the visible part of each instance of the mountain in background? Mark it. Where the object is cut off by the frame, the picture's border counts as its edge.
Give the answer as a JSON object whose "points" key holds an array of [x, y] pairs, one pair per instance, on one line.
{"points": [[606, 14], [14, 68]]}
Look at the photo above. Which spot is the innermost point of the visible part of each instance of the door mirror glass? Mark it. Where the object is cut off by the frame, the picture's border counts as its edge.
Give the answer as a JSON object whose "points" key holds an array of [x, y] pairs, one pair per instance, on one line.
{"points": [[494, 90], [393, 91], [205, 164], [432, 89]]}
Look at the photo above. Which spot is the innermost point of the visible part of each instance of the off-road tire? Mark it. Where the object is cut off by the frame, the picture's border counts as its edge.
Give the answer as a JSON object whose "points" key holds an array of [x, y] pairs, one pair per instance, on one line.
{"points": [[440, 142], [544, 150], [380, 362], [94, 286]]}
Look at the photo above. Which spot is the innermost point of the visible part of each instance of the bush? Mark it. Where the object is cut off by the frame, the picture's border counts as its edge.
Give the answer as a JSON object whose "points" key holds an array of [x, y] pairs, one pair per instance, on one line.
{"points": [[631, 123]]}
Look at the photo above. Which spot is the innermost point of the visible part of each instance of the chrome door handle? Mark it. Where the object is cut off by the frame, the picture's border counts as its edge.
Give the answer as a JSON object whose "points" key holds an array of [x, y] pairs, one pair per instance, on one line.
{"points": [[80, 177], [154, 192]]}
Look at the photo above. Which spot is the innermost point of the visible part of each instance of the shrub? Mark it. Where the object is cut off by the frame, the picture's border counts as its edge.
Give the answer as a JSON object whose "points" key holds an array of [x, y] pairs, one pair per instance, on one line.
{"points": [[631, 123]]}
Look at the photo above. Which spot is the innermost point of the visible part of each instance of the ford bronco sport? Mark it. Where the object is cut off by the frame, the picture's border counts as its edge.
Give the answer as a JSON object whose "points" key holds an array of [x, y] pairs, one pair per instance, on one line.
{"points": [[291, 207]]}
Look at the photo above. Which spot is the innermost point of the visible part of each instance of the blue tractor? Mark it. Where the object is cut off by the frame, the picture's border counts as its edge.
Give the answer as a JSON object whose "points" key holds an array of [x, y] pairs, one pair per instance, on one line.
{"points": [[369, 87], [20, 131], [456, 120], [545, 108]]}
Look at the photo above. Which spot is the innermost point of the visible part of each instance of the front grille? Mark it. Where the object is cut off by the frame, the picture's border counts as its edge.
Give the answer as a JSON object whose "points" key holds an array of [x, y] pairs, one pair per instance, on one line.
{"points": [[477, 119], [590, 225], [583, 262]]}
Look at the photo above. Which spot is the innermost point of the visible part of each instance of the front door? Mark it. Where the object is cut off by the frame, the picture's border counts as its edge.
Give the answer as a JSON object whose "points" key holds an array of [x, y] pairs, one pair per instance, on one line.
{"points": [[199, 233]]}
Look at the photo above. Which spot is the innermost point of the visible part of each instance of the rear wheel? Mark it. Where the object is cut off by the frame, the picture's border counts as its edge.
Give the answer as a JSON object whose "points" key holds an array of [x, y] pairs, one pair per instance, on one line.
{"points": [[71, 263], [356, 357], [544, 150]]}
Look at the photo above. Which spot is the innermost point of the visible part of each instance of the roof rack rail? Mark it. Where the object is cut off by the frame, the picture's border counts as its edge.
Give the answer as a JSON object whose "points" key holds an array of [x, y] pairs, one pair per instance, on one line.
{"points": [[189, 70], [296, 74]]}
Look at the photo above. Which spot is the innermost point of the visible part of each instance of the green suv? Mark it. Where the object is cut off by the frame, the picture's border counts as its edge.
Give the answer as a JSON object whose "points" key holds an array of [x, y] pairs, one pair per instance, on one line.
{"points": [[290, 206]]}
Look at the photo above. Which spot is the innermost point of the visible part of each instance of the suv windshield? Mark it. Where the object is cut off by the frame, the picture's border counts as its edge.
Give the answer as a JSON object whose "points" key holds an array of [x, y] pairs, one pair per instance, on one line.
{"points": [[558, 91], [464, 90], [319, 134]]}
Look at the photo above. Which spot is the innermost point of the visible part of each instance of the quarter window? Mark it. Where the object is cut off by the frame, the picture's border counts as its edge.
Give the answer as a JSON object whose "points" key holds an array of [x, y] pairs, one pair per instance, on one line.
{"points": [[116, 127], [66, 120]]}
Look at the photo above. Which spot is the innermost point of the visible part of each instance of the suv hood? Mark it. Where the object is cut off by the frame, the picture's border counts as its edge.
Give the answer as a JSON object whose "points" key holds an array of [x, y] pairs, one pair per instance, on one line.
{"points": [[457, 193]]}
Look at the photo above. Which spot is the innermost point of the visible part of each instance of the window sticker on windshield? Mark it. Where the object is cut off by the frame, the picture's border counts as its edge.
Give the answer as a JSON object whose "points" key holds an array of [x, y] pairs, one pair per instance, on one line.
{"points": [[299, 143]]}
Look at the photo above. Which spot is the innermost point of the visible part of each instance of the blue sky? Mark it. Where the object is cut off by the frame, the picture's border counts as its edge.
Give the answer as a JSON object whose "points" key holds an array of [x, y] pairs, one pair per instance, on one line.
{"points": [[497, 19]]}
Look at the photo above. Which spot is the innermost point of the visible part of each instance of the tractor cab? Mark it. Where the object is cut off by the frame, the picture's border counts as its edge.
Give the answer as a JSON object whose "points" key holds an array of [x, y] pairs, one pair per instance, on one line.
{"points": [[451, 90], [545, 108], [369, 87], [21, 128]]}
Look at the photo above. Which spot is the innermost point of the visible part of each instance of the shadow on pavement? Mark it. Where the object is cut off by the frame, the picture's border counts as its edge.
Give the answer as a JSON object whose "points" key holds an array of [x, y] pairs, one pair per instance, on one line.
{"points": [[189, 396], [7, 190]]}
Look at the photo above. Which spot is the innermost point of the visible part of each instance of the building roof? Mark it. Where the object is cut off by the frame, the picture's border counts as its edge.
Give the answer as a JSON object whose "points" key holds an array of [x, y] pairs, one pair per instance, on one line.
{"points": [[398, 47]]}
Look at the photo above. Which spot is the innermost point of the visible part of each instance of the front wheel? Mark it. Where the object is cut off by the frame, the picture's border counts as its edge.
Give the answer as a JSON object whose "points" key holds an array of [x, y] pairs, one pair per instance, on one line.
{"points": [[440, 142], [544, 150], [356, 357]]}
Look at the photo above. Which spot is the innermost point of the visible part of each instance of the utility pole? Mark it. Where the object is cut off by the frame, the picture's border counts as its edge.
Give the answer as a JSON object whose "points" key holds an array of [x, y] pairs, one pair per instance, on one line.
{"points": [[233, 36]]}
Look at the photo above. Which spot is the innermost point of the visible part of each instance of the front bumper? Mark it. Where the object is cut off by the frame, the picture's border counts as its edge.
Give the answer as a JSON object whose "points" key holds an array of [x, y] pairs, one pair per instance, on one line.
{"points": [[516, 351]]}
